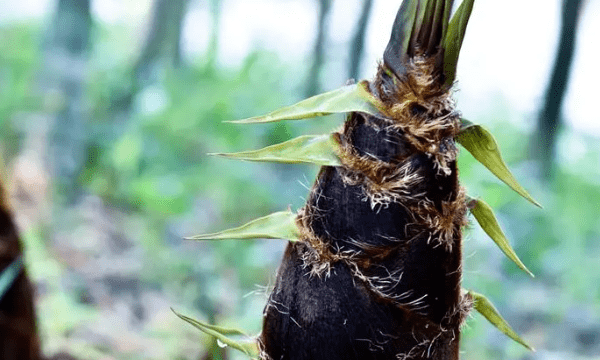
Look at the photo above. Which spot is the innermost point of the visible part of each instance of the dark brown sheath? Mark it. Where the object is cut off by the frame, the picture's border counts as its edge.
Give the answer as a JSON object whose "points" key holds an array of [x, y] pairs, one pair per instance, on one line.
{"points": [[377, 272], [18, 332]]}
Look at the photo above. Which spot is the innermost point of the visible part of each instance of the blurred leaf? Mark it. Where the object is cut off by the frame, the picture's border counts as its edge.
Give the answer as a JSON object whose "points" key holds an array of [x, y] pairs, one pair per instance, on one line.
{"points": [[454, 38], [482, 145], [487, 309], [488, 222], [160, 194], [349, 98], [127, 152], [316, 149], [279, 225], [248, 348], [9, 274]]}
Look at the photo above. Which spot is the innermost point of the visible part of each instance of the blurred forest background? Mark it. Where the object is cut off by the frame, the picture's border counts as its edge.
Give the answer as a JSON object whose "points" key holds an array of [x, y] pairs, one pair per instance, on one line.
{"points": [[108, 109]]}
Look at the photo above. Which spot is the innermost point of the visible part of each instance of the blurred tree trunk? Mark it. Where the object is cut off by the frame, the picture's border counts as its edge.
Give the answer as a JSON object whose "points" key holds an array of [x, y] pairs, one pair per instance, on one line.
{"points": [[213, 45], [376, 271], [66, 57], [163, 45], [18, 331], [162, 49], [313, 86], [358, 42], [549, 120]]}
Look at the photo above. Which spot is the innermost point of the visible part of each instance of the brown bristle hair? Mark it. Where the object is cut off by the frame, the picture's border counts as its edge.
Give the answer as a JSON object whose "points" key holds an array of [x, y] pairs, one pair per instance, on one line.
{"points": [[368, 230]]}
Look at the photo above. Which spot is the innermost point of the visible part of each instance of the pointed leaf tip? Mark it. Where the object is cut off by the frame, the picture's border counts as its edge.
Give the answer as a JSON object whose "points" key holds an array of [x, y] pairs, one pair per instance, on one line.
{"points": [[279, 225], [397, 51], [487, 220], [315, 149], [484, 148], [454, 39], [248, 348], [348, 98], [489, 311]]}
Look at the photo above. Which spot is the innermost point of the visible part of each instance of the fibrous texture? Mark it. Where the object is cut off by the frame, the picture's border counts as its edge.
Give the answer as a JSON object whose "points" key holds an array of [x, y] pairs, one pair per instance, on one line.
{"points": [[373, 267], [376, 273]]}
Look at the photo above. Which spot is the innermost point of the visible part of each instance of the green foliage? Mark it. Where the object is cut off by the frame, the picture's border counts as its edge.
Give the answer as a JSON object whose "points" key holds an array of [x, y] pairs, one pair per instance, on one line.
{"points": [[454, 39], [487, 220], [487, 309], [154, 165], [18, 67], [62, 313], [349, 98], [397, 50], [279, 225], [248, 348], [315, 149], [559, 244], [482, 145]]}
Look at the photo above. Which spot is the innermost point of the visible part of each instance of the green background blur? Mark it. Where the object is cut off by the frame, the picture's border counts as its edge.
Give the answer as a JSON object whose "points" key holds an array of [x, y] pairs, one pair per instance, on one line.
{"points": [[105, 125]]}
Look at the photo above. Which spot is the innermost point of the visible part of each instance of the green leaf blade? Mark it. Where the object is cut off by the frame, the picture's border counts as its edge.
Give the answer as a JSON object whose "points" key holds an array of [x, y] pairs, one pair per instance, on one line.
{"points": [[419, 22], [489, 311], [224, 330], [315, 149], [454, 39], [396, 52], [279, 225], [348, 98], [447, 10], [487, 220], [248, 348], [484, 148]]}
